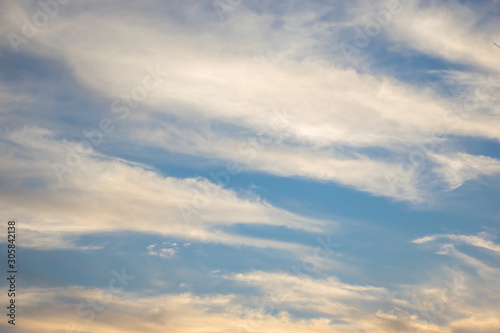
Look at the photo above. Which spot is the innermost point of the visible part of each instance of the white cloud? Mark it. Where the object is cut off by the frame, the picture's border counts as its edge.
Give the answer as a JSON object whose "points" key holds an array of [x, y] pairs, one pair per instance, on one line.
{"points": [[451, 31], [235, 76], [165, 252], [231, 76], [107, 194], [453, 301], [465, 239], [458, 168]]}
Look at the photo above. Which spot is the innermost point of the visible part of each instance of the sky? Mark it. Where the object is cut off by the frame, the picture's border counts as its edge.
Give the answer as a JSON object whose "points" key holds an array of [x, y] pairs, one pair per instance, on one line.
{"points": [[251, 165]]}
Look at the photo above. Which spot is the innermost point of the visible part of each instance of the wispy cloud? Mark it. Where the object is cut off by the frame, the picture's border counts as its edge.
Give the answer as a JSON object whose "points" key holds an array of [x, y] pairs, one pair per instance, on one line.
{"points": [[464, 239], [267, 93], [450, 30], [108, 194], [336, 116]]}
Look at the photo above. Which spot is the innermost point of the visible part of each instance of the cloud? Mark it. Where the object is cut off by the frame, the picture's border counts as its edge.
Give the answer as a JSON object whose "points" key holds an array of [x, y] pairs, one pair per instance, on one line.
{"points": [[458, 168], [452, 31], [327, 297], [166, 252], [106, 194], [268, 89], [473, 240], [337, 118], [453, 301]]}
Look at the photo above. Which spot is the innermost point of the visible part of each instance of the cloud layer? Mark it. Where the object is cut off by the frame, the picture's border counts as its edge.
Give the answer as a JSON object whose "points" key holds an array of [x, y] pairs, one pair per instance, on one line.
{"points": [[112, 110]]}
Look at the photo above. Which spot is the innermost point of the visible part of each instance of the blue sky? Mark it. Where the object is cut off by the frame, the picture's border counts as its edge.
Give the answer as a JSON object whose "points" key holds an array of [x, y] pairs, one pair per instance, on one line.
{"points": [[252, 166]]}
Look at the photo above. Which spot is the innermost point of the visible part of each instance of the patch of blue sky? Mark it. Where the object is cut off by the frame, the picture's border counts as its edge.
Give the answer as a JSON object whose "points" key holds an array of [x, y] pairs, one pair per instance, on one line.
{"points": [[411, 67], [195, 266], [62, 103], [475, 145]]}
